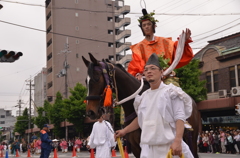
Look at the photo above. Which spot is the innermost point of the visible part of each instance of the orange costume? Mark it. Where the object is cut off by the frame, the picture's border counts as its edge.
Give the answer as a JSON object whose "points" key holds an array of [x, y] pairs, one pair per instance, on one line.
{"points": [[161, 46]]}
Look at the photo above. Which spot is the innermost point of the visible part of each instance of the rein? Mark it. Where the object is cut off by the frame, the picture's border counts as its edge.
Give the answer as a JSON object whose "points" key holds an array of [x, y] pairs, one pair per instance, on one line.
{"points": [[109, 77]]}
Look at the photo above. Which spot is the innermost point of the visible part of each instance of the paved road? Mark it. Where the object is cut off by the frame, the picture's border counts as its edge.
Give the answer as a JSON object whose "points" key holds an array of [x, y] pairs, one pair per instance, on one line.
{"points": [[85, 154]]}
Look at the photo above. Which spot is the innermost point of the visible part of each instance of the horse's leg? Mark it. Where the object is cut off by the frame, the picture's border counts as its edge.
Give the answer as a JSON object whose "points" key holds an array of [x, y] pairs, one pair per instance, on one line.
{"points": [[194, 121], [134, 140]]}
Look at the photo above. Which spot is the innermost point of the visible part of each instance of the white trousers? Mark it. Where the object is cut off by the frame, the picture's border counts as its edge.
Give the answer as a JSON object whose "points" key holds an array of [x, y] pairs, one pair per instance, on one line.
{"points": [[103, 151], [160, 151]]}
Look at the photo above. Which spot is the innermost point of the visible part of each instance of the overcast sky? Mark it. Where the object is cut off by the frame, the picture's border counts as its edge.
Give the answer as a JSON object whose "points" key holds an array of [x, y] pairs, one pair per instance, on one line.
{"points": [[210, 19]]}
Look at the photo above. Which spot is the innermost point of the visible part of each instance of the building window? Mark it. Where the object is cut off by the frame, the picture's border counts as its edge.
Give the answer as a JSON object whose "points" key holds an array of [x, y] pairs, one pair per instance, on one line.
{"points": [[50, 84], [209, 84], [47, 2], [49, 42], [76, 1], [110, 44], [49, 29], [8, 113], [232, 76], [110, 19], [49, 56], [50, 98], [215, 80], [77, 41], [2, 116], [77, 28], [77, 55], [2, 122], [110, 32], [76, 14], [49, 15], [49, 70]]}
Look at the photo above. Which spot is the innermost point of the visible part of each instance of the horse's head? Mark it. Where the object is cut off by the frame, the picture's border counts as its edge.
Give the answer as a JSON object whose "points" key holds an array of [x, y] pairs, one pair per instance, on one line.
{"points": [[96, 83]]}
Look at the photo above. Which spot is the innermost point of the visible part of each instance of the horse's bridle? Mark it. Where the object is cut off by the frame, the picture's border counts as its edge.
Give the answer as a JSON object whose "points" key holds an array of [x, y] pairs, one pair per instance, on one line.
{"points": [[108, 73]]}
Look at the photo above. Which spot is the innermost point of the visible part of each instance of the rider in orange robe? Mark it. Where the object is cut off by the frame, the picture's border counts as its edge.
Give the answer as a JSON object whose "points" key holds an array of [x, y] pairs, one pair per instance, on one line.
{"points": [[153, 44]]}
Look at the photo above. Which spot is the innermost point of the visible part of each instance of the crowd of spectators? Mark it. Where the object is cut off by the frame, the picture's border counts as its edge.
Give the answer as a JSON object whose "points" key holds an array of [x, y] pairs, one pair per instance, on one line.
{"points": [[221, 141]]}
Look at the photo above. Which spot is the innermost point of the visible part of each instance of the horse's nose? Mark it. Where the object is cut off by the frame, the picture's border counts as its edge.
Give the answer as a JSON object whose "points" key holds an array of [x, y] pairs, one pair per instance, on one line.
{"points": [[91, 114]]}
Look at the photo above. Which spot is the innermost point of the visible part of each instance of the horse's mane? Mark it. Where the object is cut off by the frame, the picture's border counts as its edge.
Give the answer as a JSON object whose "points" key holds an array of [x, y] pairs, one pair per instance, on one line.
{"points": [[123, 69], [96, 79]]}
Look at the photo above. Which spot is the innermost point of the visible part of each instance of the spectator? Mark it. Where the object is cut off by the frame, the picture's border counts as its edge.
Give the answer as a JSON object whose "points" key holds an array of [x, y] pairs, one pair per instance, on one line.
{"points": [[229, 143], [222, 138], [211, 141], [237, 140], [33, 137], [205, 140], [215, 143]]}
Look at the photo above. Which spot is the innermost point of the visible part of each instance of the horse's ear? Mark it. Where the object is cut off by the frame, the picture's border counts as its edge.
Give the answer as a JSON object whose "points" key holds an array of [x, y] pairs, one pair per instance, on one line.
{"points": [[86, 62], [93, 59]]}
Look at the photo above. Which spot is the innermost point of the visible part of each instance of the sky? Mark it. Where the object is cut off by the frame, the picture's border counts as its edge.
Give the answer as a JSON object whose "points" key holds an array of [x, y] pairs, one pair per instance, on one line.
{"points": [[207, 20]]}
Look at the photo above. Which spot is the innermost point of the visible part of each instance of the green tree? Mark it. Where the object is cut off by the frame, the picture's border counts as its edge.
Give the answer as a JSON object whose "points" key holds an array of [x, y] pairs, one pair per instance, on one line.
{"points": [[74, 108], [56, 115], [117, 112], [22, 123], [43, 114], [189, 81]]}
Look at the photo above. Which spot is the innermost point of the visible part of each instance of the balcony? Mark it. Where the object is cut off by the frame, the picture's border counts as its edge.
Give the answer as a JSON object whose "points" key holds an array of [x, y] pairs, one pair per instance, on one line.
{"points": [[123, 47], [49, 36], [49, 49], [125, 59], [49, 22], [123, 22], [122, 34], [124, 10]]}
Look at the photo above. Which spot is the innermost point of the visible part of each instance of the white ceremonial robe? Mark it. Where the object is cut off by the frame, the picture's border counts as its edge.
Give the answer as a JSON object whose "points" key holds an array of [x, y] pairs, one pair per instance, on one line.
{"points": [[158, 110], [102, 139]]}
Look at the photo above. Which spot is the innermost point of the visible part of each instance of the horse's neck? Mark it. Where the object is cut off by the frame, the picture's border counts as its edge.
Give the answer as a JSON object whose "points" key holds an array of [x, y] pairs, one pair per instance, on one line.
{"points": [[126, 86]]}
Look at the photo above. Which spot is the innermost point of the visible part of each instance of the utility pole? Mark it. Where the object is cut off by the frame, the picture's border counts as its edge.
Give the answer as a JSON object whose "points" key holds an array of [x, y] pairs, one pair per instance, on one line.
{"points": [[30, 106], [63, 73], [19, 106]]}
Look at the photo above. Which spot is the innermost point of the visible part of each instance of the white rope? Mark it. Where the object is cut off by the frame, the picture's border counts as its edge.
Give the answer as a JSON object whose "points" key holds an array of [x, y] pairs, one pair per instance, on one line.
{"points": [[131, 96], [179, 53]]}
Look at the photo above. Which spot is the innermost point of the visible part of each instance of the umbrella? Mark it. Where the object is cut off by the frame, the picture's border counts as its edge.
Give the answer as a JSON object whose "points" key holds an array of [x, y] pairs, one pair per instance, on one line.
{"points": [[55, 140]]}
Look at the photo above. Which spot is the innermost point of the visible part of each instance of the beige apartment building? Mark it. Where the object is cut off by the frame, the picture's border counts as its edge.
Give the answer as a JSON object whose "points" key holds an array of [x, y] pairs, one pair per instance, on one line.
{"points": [[95, 26]]}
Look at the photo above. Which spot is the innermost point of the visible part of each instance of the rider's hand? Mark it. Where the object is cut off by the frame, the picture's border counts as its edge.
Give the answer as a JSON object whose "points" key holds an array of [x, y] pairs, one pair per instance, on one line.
{"points": [[188, 34], [138, 76], [176, 147], [119, 133]]}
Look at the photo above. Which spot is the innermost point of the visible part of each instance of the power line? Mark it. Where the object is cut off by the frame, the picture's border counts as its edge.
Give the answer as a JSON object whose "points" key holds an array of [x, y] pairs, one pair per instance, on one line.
{"points": [[168, 14]]}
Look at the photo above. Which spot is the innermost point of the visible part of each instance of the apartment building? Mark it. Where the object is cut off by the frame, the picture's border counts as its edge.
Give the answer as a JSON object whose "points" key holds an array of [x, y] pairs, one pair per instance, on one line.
{"points": [[76, 28]]}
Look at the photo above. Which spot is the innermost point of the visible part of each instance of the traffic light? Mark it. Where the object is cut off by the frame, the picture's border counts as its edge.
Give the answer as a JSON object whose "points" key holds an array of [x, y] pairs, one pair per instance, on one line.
{"points": [[9, 56], [237, 109]]}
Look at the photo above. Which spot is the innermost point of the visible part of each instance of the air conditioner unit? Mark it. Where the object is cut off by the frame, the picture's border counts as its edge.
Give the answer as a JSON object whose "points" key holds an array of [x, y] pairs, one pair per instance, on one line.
{"points": [[222, 93], [235, 91]]}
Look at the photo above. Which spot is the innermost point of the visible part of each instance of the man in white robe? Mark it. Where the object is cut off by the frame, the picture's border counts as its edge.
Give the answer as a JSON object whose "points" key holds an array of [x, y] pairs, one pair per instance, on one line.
{"points": [[162, 111], [102, 138]]}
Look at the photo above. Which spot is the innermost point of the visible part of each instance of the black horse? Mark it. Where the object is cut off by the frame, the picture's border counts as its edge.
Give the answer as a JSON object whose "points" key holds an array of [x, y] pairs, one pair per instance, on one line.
{"points": [[124, 85]]}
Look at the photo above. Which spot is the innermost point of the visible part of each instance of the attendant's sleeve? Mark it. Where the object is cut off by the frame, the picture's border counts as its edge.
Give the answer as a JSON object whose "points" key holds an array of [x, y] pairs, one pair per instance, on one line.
{"points": [[90, 142], [137, 64], [178, 109], [187, 54]]}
